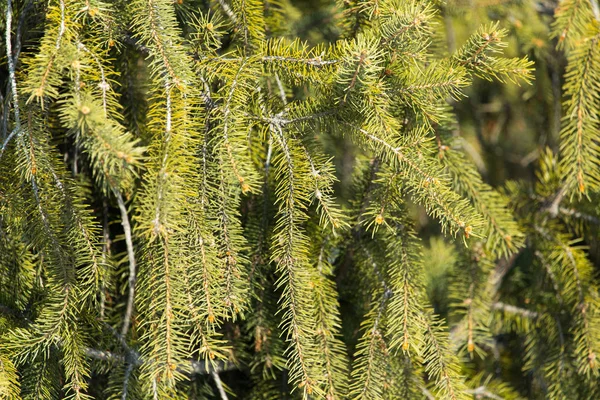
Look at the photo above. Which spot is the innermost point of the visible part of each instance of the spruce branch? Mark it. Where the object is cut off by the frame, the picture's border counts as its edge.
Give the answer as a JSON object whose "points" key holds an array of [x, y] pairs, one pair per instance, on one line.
{"points": [[369, 368], [228, 132], [578, 147], [43, 79], [440, 363], [293, 276]]}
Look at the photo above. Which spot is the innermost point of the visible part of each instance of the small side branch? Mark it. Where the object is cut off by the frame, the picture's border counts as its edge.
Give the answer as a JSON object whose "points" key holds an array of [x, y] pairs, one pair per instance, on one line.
{"points": [[11, 65], [228, 11], [427, 393], [482, 391], [499, 306], [553, 207], [219, 384], [197, 367], [595, 9], [8, 139], [128, 372], [579, 215], [132, 265]]}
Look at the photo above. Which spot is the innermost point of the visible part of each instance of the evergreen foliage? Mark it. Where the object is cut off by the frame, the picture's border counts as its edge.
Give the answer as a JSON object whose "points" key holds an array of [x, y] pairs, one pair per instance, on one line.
{"points": [[276, 199]]}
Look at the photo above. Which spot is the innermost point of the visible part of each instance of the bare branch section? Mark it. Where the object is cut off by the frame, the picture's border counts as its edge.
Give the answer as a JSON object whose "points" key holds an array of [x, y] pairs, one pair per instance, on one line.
{"points": [[132, 265], [507, 308], [197, 367], [217, 378]]}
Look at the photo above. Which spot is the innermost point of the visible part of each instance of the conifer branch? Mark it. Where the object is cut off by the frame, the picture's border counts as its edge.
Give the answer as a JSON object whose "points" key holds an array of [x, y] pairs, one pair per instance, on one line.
{"points": [[442, 366], [289, 259], [226, 124], [104, 86], [45, 66], [371, 351], [578, 147], [327, 328], [158, 41], [311, 61], [502, 231], [231, 251], [207, 276], [229, 149], [571, 16], [426, 188]]}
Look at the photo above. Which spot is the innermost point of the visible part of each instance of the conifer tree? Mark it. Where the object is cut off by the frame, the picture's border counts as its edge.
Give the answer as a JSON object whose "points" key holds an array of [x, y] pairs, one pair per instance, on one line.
{"points": [[276, 199]]}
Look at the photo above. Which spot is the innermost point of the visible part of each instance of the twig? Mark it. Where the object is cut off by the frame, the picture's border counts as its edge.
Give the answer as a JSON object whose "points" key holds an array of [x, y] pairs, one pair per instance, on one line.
{"points": [[154, 389], [132, 266], [317, 61], [281, 90], [427, 393], [278, 120], [134, 42], [103, 355], [219, 384], [482, 391], [576, 214], [552, 209], [104, 85], [105, 252], [11, 65], [15, 96], [227, 10], [567, 211], [197, 367], [530, 157], [15, 56], [475, 156], [595, 9], [5, 112], [8, 139], [128, 372], [499, 306], [134, 355]]}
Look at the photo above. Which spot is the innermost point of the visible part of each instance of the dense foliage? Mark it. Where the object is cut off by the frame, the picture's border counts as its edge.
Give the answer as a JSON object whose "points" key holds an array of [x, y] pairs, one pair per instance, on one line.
{"points": [[277, 199]]}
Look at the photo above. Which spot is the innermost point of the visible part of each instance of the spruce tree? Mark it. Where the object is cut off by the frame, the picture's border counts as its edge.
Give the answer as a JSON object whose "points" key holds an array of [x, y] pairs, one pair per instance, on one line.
{"points": [[304, 200]]}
